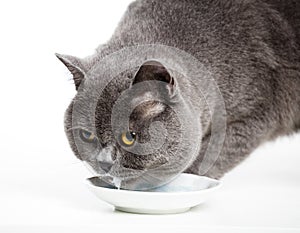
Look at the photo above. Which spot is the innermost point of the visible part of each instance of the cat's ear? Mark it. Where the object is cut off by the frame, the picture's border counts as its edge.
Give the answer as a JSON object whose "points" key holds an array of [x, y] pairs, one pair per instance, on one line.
{"points": [[154, 70], [75, 66]]}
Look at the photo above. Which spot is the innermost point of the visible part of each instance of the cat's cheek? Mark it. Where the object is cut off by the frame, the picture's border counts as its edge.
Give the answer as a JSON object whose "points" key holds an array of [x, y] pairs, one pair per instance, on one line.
{"points": [[68, 131]]}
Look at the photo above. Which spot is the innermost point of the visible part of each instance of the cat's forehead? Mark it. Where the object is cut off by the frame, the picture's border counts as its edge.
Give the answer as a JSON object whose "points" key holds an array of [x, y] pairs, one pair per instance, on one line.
{"points": [[105, 79]]}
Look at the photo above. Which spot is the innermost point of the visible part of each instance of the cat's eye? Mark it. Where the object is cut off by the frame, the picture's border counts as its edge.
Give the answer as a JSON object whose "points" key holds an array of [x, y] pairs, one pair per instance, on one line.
{"points": [[87, 136], [128, 138]]}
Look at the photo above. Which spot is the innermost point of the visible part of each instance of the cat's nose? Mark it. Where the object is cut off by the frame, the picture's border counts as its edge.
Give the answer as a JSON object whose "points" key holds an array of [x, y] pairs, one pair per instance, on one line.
{"points": [[105, 158], [105, 166]]}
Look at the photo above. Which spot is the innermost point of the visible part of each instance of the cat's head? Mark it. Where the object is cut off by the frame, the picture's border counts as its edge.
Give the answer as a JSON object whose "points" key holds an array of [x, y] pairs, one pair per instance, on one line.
{"points": [[148, 155]]}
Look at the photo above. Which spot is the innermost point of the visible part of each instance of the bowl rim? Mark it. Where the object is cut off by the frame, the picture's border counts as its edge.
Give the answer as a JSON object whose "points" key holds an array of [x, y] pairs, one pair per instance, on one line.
{"points": [[218, 184]]}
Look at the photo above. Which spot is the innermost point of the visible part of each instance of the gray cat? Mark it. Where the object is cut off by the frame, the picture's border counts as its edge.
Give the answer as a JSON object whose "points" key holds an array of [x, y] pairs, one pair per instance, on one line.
{"points": [[252, 50]]}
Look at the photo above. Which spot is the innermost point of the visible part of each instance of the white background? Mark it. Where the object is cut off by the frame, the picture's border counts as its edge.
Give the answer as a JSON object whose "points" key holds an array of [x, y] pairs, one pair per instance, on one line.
{"points": [[41, 182]]}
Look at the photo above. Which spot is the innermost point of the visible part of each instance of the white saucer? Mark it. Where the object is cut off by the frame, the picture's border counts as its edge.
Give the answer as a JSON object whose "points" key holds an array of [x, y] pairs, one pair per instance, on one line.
{"points": [[181, 194]]}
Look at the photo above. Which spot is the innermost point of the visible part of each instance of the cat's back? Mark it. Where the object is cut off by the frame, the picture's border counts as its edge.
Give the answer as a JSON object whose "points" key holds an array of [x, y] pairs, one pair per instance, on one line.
{"points": [[210, 23]]}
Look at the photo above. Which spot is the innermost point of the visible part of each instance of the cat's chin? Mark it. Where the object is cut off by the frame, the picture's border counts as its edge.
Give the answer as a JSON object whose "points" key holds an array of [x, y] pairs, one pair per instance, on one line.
{"points": [[137, 180]]}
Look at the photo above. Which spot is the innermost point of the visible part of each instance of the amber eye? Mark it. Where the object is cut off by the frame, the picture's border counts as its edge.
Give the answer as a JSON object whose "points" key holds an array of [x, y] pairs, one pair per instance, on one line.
{"points": [[87, 136], [128, 138]]}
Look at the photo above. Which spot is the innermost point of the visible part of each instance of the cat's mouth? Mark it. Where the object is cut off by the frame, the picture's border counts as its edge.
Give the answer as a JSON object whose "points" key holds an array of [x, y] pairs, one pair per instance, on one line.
{"points": [[113, 170], [128, 178]]}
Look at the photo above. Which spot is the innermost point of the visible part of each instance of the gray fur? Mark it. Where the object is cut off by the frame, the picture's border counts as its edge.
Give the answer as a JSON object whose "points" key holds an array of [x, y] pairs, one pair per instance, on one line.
{"points": [[252, 48]]}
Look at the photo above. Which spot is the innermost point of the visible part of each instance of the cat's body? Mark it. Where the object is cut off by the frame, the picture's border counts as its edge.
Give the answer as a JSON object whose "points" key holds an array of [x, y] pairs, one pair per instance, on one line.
{"points": [[252, 48]]}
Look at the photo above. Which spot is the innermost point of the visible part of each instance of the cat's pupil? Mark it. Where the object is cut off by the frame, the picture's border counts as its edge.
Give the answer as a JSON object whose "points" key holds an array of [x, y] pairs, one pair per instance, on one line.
{"points": [[130, 136], [87, 136]]}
